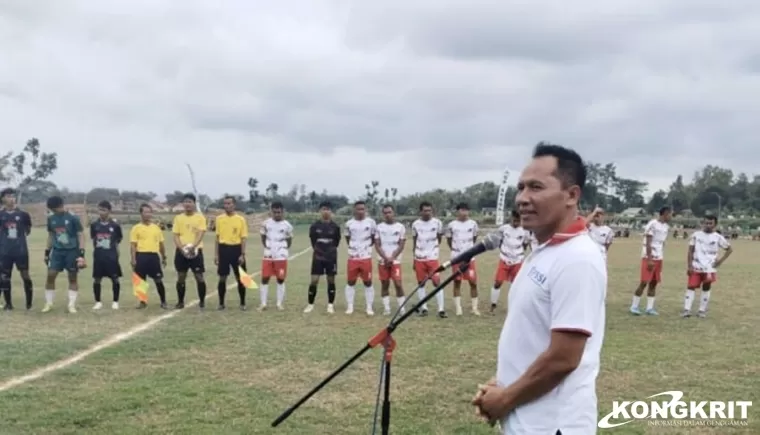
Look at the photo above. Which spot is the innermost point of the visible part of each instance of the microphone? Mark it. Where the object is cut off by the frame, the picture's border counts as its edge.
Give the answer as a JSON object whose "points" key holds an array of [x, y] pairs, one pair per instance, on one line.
{"points": [[489, 242]]}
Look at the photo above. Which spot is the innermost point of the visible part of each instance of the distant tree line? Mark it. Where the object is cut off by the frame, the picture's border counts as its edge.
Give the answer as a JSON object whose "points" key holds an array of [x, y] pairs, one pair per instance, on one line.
{"points": [[710, 189]]}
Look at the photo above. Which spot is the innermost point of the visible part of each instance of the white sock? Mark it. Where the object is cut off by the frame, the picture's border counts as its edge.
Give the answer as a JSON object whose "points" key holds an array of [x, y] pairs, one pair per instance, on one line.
{"points": [[636, 301], [264, 293], [421, 293], [495, 293], [73, 297], [458, 302], [387, 303], [350, 293], [369, 295], [704, 301], [439, 300], [474, 304], [49, 296], [650, 303], [688, 299], [401, 300], [280, 293]]}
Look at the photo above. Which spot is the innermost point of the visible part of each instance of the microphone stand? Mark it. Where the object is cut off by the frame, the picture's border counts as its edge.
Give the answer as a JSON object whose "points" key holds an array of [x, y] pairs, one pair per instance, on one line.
{"points": [[385, 339]]}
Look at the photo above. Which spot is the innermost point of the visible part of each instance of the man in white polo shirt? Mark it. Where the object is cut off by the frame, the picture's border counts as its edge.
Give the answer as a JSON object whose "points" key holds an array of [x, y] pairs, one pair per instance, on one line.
{"points": [[550, 346]]}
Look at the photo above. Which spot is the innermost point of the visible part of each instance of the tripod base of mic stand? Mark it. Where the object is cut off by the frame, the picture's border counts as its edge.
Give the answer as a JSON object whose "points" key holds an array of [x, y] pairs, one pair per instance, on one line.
{"points": [[385, 339]]}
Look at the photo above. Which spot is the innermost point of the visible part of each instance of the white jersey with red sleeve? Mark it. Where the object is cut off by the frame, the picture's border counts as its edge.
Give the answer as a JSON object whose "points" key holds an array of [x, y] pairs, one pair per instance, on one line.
{"points": [[706, 249], [390, 237], [462, 235], [361, 234], [426, 234], [512, 249], [659, 233], [277, 234]]}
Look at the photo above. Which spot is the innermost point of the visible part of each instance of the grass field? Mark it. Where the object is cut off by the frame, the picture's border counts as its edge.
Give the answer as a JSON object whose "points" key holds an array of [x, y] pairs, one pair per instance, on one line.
{"points": [[233, 372]]}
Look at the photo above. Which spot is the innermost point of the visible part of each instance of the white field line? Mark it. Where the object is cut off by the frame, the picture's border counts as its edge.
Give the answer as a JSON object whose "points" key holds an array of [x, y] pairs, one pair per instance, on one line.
{"points": [[108, 342]]}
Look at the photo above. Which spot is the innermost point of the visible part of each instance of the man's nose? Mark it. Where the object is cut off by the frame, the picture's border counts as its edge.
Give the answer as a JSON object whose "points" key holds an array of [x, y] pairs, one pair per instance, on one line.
{"points": [[522, 198]]}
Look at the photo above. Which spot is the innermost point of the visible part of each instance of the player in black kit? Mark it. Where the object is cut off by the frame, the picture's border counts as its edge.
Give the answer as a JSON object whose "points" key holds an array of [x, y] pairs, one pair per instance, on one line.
{"points": [[15, 226], [106, 236], [325, 238]]}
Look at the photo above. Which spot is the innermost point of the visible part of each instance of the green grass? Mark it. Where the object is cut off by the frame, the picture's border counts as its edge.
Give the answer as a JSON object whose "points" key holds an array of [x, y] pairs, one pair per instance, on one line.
{"points": [[234, 372]]}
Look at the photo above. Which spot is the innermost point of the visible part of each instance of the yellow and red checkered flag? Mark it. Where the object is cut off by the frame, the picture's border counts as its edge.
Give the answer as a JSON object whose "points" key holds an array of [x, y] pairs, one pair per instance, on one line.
{"points": [[140, 288], [247, 280]]}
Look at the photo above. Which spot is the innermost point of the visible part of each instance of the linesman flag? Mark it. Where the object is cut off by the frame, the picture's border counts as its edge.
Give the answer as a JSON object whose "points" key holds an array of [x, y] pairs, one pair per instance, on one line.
{"points": [[246, 280], [140, 288]]}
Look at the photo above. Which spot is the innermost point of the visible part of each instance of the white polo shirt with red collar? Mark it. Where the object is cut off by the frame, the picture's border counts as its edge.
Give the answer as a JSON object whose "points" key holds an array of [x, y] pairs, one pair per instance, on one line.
{"points": [[561, 287]]}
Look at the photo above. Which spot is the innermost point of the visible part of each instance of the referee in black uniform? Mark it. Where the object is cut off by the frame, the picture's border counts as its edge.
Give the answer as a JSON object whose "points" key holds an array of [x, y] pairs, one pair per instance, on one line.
{"points": [[325, 238]]}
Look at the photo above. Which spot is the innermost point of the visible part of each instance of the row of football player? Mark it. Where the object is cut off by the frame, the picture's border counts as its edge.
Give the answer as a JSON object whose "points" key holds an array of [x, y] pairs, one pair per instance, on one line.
{"points": [[362, 234], [388, 241]]}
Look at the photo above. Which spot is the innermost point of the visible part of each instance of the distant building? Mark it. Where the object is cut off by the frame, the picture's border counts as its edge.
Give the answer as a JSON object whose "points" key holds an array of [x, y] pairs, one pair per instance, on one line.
{"points": [[633, 212]]}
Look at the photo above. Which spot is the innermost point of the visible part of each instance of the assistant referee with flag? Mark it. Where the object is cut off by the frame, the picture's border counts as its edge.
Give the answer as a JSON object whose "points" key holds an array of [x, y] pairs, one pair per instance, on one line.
{"points": [[146, 242], [231, 236]]}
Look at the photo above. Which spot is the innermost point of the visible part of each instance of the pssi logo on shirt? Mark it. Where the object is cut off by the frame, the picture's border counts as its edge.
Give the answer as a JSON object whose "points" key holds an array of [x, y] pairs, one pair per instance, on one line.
{"points": [[537, 277]]}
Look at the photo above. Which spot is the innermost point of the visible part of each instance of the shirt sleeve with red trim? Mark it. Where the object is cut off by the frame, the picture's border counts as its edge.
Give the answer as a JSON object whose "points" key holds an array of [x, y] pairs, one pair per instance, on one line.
{"points": [[693, 239], [649, 229], [723, 243], [577, 292]]}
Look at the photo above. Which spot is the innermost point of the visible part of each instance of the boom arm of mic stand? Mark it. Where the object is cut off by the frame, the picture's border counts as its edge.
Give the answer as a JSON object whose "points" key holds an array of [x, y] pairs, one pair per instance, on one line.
{"points": [[381, 338]]}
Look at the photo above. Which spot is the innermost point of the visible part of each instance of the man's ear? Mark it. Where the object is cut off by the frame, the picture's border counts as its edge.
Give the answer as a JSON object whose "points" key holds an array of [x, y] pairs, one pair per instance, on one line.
{"points": [[574, 196]]}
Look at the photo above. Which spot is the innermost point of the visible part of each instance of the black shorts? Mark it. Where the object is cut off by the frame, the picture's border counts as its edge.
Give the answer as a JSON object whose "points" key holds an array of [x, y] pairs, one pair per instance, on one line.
{"points": [[7, 261], [229, 257], [148, 265], [183, 264], [324, 267], [106, 268]]}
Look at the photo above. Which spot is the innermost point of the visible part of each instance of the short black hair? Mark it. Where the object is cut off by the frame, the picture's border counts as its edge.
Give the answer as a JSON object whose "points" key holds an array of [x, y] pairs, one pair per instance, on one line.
{"points": [[105, 204], [325, 204], [277, 205], [144, 206], [424, 204], [515, 214], [189, 196], [711, 217], [390, 206], [664, 210], [360, 202], [230, 197], [7, 191], [54, 202], [462, 206], [570, 167]]}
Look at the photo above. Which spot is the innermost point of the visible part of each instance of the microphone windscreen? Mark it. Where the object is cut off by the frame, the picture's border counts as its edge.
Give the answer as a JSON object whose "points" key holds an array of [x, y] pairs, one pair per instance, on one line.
{"points": [[492, 240]]}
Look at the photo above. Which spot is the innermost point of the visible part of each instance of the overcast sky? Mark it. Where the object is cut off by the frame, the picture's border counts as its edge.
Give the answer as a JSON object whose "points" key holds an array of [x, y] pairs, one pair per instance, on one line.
{"points": [[416, 94]]}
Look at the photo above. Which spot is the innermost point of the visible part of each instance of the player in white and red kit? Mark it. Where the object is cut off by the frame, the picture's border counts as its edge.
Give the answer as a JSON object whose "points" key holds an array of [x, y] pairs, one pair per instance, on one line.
{"points": [[514, 242], [599, 232], [702, 263], [461, 235], [276, 239], [360, 237], [652, 251], [427, 232], [390, 239]]}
